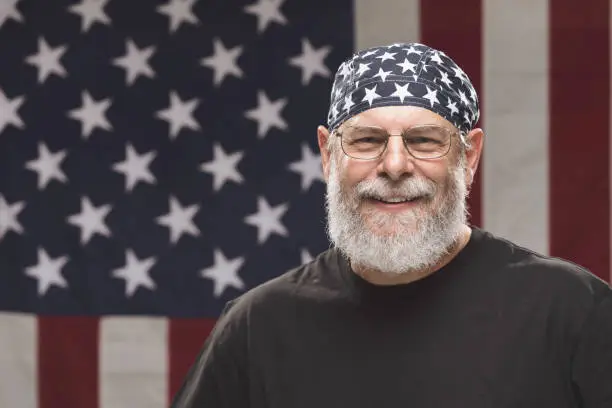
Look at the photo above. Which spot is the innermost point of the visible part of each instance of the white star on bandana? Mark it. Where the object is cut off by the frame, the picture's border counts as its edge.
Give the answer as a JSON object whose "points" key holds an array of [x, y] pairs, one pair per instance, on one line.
{"points": [[382, 74], [348, 102], [413, 50], [436, 58], [452, 106], [346, 70], [363, 68], [401, 91], [371, 95], [386, 56], [431, 96], [445, 79], [407, 65]]}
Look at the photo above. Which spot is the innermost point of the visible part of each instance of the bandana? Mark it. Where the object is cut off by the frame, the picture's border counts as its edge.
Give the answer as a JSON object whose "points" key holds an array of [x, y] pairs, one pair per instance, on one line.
{"points": [[410, 74]]}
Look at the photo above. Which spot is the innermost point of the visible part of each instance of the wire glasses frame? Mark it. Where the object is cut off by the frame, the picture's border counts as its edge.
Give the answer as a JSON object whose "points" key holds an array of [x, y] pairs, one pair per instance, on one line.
{"points": [[423, 142]]}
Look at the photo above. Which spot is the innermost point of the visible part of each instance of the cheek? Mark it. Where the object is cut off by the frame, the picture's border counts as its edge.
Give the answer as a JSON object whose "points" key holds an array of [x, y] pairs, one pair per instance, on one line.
{"points": [[353, 171], [439, 172]]}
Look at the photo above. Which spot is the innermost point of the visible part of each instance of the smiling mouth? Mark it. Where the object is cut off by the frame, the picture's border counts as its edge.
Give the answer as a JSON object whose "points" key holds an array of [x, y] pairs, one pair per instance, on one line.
{"points": [[395, 200]]}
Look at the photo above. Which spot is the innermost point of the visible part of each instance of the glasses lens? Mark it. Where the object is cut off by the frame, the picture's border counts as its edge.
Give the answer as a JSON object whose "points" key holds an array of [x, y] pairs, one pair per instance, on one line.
{"points": [[428, 142], [364, 142]]}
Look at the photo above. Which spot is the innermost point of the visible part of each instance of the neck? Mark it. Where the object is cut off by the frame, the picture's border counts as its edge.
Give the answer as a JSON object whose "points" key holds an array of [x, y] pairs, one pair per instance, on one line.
{"points": [[377, 277]]}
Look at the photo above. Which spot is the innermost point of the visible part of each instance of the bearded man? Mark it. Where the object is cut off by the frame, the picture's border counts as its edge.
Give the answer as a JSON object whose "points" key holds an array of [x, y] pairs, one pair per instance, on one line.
{"points": [[411, 306]]}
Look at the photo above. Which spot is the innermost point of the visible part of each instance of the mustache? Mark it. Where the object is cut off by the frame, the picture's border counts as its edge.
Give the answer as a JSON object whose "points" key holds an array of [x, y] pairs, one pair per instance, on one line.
{"points": [[408, 188]]}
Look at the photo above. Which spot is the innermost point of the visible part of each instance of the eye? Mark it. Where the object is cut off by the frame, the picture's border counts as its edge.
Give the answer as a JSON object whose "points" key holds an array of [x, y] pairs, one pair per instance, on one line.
{"points": [[420, 140], [370, 139]]}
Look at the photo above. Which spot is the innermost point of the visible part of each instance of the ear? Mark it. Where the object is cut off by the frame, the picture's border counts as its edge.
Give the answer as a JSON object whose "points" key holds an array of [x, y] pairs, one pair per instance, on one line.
{"points": [[323, 137], [473, 154]]}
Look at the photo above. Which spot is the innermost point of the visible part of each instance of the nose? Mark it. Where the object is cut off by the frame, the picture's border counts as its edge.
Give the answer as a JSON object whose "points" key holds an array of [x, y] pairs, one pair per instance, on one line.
{"points": [[396, 161]]}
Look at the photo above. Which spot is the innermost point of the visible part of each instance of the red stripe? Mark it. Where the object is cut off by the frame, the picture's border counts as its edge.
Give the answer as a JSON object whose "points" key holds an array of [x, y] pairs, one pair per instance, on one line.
{"points": [[455, 27], [68, 362], [186, 337], [579, 133]]}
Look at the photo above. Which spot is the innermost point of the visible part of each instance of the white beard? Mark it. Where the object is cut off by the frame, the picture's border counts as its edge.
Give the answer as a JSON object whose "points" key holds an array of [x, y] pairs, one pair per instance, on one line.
{"points": [[399, 243]]}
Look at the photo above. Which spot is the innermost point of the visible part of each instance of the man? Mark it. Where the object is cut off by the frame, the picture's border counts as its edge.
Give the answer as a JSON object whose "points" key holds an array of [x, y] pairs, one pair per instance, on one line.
{"points": [[410, 307]]}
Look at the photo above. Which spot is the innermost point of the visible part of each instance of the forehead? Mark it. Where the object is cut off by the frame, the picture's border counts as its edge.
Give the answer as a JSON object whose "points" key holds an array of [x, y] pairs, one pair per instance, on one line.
{"points": [[398, 117]]}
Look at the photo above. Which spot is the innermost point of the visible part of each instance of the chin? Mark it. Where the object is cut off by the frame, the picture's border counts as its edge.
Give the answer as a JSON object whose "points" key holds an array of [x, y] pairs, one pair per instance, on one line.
{"points": [[387, 224]]}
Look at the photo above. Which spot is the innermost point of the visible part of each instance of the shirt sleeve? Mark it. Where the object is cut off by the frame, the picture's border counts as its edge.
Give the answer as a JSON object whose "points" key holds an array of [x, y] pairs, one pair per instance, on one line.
{"points": [[592, 362], [218, 378]]}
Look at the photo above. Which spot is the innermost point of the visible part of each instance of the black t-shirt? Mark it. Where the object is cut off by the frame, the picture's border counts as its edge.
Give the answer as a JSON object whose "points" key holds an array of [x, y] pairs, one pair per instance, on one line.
{"points": [[498, 327]]}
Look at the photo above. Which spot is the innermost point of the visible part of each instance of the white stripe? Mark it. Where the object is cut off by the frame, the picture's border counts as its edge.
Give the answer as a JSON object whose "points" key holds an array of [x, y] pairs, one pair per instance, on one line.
{"points": [[133, 362], [385, 22], [18, 361], [515, 120]]}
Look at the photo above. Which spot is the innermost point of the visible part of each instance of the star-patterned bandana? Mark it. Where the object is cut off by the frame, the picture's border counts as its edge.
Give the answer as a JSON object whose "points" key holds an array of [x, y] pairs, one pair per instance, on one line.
{"points": [[403, 74]]}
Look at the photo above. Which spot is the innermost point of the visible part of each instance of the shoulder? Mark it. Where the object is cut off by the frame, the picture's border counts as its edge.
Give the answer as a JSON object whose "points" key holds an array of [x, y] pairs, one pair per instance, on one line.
{"points": [[316, 278], [543, 273]]}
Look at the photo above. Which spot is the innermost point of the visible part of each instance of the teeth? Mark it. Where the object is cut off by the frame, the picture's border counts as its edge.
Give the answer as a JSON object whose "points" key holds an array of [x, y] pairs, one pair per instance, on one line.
{"points": [[396, 200], [393, 199]]}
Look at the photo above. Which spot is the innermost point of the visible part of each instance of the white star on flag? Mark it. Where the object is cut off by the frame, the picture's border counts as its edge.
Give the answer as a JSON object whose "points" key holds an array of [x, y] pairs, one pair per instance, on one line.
{"points": [[407, 65], [90, 220], [223, 167], [8, 111], [223, 62], [431, 96], [91, 114], [267, 220], [179, 220], [135, 272], [8, 9], [179, 114], [453, 108], [266, 11], [8, 217], [90, 12], [370, 95], [178, 11], [224, 273], [47, 60], [311, 62], [445, 79], [386, 56], [309, 167], [382, 74], [47, 166], [135, 62], [401, 91], [267, 114], [135, 167], [47, 272], [363, 68]]}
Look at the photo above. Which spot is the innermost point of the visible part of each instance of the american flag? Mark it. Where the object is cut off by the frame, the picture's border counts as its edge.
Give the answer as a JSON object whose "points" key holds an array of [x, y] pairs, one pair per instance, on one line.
{"points": [[159, 158]]}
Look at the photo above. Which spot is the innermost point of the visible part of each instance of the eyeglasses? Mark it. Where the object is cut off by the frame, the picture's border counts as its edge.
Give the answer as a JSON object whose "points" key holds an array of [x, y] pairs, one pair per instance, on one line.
{"points": [[422, 142]]}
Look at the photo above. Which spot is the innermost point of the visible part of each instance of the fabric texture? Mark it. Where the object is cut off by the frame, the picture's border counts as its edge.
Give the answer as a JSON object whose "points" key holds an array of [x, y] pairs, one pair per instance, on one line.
{"points": [[410, 74]]}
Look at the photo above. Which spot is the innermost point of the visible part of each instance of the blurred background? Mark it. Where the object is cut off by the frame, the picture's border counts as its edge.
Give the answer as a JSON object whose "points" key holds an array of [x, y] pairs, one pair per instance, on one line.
{"points": [[158, 158]]}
